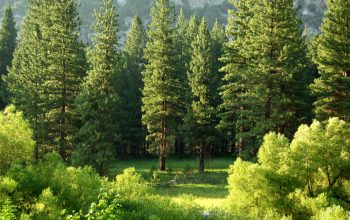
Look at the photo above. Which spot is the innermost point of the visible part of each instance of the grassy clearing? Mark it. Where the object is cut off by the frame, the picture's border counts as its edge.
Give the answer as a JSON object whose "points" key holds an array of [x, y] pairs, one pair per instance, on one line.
{"points": [[207, 190]]}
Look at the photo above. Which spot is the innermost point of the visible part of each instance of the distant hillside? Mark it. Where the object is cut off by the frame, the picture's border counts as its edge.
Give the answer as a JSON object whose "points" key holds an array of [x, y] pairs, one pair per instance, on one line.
{"points": [[311, 11]]}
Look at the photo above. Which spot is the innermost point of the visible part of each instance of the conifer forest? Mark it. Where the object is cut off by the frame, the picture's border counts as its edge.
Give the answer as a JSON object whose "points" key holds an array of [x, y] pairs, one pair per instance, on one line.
{"points": [[235, 109]]}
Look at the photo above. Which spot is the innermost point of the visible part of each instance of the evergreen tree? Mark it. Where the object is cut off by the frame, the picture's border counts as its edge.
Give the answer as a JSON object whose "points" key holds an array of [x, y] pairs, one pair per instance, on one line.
{"points": [[98, 100], [66, 68], [163, 90], [26, 79], [235, 118], [332, 56], [183, 49], [8, 35], [278, 66], [201, 77], [47, 71], [130, 80], [218, 37], [269, 56]]}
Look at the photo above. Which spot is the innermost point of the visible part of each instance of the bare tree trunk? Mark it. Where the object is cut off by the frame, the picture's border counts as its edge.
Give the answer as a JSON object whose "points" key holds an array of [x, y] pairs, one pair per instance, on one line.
{"points": [[201, 158], [162, 162]]}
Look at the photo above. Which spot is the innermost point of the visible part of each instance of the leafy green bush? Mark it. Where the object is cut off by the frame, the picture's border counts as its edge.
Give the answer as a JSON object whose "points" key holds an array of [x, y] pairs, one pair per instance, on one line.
{"points": [[107, 207], [44, 189], [296, 178], [7, 210], [16, 144], [157, 207], [130, 183]]}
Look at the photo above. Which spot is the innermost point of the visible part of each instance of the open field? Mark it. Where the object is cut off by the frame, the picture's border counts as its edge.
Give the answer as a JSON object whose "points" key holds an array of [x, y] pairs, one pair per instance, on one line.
{"points": [[181, 181]]}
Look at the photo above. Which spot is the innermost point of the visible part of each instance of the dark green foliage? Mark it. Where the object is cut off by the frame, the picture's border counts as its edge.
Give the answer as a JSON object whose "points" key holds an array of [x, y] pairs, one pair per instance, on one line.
{"points": [[47, 71], [265, 66], [235, 120], [26, 79], [8, 35], [202, 78], [65, 69], [332, 55], [162, 91], [130, 87], [98, 100]]}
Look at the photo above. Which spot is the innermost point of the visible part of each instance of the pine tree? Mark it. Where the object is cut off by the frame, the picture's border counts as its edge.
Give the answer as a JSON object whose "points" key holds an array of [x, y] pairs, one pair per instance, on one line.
{"points": [[218, 37], [235, 119], [162, 91], [278, 58], [98, 99], [130, 81], [332, 56], [66, 69], [183, 49], [47, 72], [201, 77], [26, 79], [8, 35], [268, 56]]}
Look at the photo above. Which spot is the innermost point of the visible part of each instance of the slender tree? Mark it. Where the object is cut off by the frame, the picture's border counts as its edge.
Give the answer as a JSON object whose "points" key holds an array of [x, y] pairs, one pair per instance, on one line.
{"points": [[202, 77], [66, 69], [26, 79], [183, 49], [98, 100], [332, 57], [130, 87], [235, 118], [8, 35], [162, 91]]}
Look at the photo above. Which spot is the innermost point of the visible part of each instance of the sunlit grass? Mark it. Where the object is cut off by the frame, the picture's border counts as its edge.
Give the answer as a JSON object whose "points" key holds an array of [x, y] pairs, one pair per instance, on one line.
{"points": [[208, 190]]}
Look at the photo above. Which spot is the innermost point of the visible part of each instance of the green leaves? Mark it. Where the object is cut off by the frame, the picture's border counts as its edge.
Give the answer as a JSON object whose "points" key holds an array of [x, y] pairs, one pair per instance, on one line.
{"points": [[16, 144], [304, 176]]}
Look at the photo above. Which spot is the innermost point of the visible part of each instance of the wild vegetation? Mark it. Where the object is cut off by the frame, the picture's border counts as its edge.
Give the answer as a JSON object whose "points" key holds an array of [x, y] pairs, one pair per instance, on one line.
{"points": [[185, 120]]}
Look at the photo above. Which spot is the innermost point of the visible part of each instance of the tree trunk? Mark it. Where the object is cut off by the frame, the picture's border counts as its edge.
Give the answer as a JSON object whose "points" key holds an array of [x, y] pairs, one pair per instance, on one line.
{"points": [[201, 158], [162, 162]]}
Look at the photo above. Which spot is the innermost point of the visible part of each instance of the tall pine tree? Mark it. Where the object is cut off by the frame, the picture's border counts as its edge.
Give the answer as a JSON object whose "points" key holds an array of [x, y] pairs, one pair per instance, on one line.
{"points": [[47, 72], [332, 57], [98, 100], [202, 76], [25, 82], [278, 66], [235, 118], [162, 86], [266, 71], [66, 69], [8, 35], [130, 81], [183, 48]]}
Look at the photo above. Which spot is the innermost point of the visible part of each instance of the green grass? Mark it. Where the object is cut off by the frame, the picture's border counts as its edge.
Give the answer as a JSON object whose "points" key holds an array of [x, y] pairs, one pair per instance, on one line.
{"points": [[208, 189]]}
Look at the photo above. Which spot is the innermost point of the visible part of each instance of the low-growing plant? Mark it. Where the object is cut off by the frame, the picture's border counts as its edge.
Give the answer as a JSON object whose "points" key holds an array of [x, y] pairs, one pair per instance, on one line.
{"points": [[130, 183]]}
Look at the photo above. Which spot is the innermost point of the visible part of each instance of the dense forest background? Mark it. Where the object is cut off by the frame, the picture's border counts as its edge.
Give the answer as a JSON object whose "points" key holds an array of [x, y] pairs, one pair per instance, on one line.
{"points": [[248, 113], [310, 11]]}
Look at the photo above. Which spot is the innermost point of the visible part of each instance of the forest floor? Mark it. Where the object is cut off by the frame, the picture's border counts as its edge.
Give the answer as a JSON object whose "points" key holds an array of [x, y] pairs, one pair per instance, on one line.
{"points": [[182, 181]]}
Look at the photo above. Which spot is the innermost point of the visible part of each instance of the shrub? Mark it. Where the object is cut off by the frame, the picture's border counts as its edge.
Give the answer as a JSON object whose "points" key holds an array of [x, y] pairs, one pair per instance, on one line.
{"points": [[16, 144], [130, 183], [50, 180], [296, 178], [7, 210]]}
